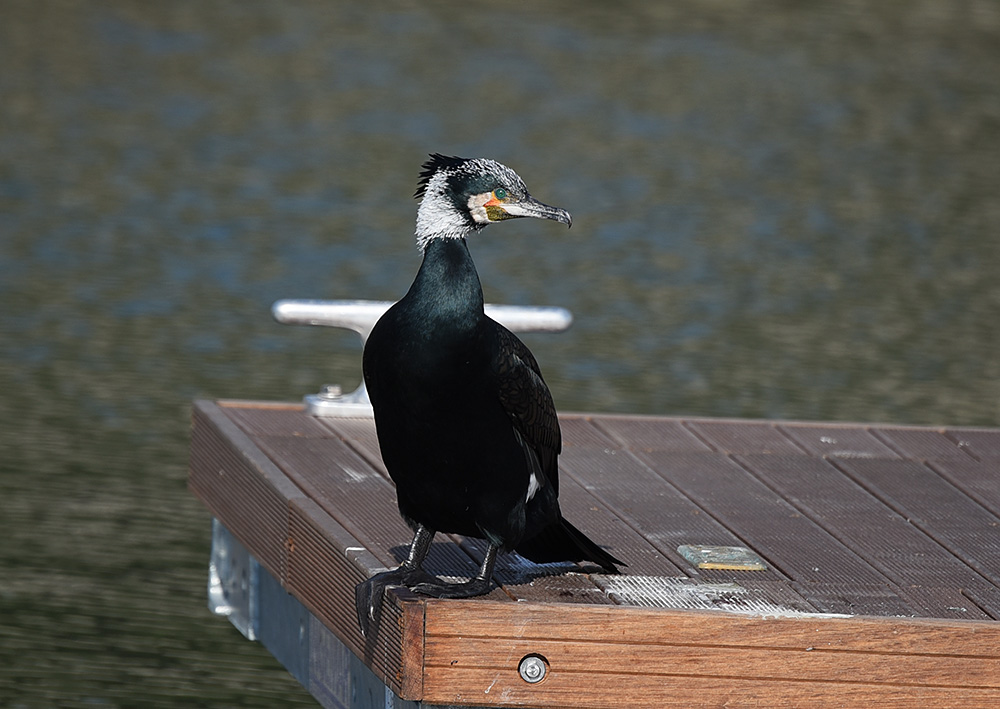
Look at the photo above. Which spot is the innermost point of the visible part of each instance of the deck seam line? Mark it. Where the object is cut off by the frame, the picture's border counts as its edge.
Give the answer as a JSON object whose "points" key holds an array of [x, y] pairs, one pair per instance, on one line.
{"points": [[965, 594], [916, 521], [687, 424], [779, 426], [670, 554], [747, 678], [936, 466], [958, 444], [694, 646], [888, 442], [777, 568], [891, 583]]}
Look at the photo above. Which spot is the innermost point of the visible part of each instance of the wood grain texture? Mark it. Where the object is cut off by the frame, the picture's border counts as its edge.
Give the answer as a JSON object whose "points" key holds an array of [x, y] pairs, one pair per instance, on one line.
{"points": [[684, 658], [592, 623], [299, 543], [325, 564], [886, 522], [490, 687], [240, 485]]}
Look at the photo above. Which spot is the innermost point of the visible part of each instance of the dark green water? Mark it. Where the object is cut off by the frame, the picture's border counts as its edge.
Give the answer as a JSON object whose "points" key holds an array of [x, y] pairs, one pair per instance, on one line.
{"points": [[779, 211]]}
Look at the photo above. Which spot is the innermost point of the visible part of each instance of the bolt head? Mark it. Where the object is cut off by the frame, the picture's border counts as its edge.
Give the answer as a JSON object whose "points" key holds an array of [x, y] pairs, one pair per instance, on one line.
{"points": [[532, 669], [331, 391]]}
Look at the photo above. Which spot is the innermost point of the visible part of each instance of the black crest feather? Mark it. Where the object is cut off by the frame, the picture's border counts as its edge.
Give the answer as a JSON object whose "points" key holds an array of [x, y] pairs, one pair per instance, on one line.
{"points": [[437, 161]]}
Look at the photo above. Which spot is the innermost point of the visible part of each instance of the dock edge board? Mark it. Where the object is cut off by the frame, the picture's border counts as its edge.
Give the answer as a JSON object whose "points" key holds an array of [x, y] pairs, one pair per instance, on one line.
{"points": [[451, 652]]}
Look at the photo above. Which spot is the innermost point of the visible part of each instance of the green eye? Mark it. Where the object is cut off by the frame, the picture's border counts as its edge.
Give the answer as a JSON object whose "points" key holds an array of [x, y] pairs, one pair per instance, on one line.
{"points": [[500, 193]]}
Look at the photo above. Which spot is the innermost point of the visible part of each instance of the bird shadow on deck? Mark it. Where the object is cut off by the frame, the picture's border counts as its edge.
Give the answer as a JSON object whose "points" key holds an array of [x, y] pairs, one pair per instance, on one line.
{"points": [[457, 558]]}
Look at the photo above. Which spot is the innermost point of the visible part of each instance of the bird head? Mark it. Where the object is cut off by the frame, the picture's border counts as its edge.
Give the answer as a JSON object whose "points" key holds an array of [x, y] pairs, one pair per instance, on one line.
{"points": [[459, 196]]}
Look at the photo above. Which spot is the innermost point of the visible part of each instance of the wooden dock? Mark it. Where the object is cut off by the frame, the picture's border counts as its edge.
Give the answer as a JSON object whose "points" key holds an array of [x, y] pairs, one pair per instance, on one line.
{"points": [[880, 548]]}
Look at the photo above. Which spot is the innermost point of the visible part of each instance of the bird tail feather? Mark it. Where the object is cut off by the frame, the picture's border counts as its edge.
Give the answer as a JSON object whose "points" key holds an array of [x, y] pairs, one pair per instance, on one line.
{"points": [[564, 542]]}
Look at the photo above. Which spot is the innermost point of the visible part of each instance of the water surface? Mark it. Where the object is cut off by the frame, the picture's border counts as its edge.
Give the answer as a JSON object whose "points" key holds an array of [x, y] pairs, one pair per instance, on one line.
{"points": [[780, 211]]}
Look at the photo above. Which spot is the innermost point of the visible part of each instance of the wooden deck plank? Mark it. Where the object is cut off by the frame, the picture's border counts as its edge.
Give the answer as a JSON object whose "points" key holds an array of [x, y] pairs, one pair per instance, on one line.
{"points": [[596, 624], [649, 433], [837, 441], [342, 484], [745, 437], [859, 599], [238, 483], [664, 516], [981, 444], [884, 538], [870, 595], [941, 510], [986, 598], [684, 658], [360, 435], [267, 419], [325, 565], [737, 595], [864, 520], [721, 662], [920, 443], [655, 508], [294, 539], [978, 479], [601, 522], [599, 518], [361, 499], [907, 556], [769, 524], [573, 691]]}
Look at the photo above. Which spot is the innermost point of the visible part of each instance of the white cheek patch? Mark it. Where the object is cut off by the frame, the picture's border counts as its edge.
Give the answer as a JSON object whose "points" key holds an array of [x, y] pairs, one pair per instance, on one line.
{"points": [[477, 207], [437, 216]]}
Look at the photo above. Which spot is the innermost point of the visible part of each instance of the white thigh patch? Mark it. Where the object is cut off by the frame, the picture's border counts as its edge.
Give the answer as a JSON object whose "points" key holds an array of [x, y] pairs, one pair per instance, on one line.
{"points": [[533, 487]]}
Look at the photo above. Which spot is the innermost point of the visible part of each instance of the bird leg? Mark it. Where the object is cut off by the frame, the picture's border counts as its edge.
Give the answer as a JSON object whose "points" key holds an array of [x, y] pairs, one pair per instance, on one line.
{"points": [[476, 586], [368, 594]]}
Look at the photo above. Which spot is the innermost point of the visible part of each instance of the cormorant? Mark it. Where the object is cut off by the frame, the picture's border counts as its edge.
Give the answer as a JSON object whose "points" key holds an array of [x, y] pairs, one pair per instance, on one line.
{"points": [[466, 426]]}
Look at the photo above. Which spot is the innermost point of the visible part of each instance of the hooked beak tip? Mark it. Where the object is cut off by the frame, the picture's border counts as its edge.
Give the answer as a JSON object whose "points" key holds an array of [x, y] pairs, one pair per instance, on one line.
{"points": [[531, 207]]}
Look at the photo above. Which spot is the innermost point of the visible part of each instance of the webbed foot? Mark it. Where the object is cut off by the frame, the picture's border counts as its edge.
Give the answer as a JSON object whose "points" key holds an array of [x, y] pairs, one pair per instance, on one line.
{"points": [[368, 594], [477, 586], [437, 588]]}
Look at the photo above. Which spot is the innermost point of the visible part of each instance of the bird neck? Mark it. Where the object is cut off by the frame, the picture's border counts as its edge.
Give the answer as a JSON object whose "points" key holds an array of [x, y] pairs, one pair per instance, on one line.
{"points": [[447, 283], [439, 217], [453, 232]]}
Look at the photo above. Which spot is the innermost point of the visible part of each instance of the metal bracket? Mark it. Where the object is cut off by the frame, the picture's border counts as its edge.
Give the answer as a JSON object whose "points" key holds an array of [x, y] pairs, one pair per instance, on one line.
{"points": [[233, 581], [361, 316]]}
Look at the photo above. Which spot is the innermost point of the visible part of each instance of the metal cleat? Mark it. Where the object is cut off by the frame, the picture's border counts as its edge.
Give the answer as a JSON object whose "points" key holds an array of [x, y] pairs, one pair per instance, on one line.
{"points": [[361, 316]]}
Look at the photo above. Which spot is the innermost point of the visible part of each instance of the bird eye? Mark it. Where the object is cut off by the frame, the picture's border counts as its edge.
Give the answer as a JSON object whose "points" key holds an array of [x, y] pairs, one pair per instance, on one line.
{"points": [[500, 193]]}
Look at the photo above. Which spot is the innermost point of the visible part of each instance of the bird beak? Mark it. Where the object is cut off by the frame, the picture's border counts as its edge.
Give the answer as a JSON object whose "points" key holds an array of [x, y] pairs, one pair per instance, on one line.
{"points": [[531, 207]]}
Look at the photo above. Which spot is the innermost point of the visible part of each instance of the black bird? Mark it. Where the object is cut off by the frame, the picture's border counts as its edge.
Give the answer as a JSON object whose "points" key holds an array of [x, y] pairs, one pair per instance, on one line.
{"points": [[466, 426]]}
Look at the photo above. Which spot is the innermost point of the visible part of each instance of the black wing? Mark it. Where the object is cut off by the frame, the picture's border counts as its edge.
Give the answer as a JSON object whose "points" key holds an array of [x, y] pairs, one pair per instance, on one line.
{"points": [[529, 405]]}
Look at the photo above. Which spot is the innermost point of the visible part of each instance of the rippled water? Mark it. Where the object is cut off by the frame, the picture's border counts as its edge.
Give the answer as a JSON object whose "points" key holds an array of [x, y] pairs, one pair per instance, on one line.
{"points": [[779, 211]]}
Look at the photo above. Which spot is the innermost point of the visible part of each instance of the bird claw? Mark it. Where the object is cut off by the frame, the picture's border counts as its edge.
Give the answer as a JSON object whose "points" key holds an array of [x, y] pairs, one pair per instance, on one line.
{"points": [[368, 594], [368, 602]]}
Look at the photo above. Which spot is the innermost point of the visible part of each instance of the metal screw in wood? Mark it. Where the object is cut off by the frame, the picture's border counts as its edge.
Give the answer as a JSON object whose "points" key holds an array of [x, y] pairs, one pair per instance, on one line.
{"points": [[532, 669]]}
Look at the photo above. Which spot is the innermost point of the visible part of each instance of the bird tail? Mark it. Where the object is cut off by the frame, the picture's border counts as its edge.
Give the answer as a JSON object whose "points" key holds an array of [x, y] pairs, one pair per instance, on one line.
{"points": [[564, 542]]}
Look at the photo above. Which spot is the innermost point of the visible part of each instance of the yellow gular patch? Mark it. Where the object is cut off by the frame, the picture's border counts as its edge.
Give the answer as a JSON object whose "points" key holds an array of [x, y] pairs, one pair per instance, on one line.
{"points": [[495, 212]]}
